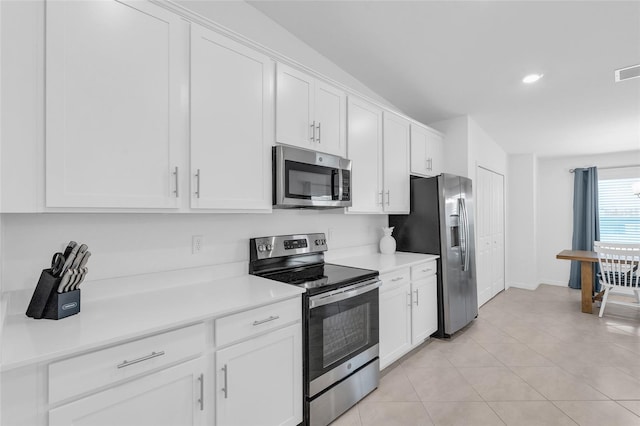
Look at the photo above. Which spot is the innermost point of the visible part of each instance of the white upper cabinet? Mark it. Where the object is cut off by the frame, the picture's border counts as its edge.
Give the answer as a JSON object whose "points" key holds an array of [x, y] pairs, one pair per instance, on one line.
{"points": [[113, 81], [310, 114], [396, 163], [378, 145], [426, 151], [365, 151], [232, 117]]}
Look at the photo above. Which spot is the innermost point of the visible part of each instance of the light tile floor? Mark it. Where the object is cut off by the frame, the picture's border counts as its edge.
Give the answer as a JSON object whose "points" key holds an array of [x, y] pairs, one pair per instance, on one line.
{"points": [[531, 358]]}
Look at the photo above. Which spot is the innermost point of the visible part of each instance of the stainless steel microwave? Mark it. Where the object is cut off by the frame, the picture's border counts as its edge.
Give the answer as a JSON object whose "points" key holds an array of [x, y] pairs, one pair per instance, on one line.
{"points": [[308, 179]]}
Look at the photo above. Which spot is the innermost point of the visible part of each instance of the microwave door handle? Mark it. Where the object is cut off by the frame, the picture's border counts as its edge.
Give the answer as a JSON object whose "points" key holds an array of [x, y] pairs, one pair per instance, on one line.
{"points": [[340, 188]]}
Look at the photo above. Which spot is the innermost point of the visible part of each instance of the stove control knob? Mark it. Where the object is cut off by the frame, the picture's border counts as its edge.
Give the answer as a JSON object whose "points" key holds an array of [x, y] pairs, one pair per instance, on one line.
{"points": [[324, 242], [261, 247], [269, 247], [317, 242]]}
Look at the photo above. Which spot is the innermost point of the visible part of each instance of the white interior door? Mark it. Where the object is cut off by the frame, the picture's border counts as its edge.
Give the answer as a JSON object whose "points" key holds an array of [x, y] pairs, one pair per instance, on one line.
{"points": [[490, 232], [497, 233]]}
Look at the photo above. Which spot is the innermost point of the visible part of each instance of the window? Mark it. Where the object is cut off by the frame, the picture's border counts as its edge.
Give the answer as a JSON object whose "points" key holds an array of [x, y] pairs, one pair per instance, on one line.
{"points": [[619, 208]]}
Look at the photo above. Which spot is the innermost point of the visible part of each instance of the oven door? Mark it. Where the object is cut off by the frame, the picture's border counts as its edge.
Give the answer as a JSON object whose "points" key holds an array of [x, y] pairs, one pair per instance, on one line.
{"points": [[342, 333]]}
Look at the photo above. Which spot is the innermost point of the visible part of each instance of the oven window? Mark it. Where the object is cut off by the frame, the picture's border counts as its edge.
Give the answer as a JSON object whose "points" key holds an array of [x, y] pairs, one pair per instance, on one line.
{"points": [[344, 333], [310, 182]]}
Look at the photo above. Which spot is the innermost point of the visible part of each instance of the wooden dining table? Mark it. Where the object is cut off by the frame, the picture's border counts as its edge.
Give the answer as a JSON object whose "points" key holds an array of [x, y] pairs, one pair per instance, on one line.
{"points": [[586, 259]]}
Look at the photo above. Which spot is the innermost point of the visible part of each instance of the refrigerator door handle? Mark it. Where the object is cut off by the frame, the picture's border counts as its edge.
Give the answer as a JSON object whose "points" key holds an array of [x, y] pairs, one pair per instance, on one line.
{"points": [[465, 221]]}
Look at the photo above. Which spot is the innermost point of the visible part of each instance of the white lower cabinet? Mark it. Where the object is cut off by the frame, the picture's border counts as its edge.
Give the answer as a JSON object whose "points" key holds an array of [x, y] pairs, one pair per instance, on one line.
{"points": [[424, 310], [174, 396], [408, 310], [395, 323], [259, 381]]}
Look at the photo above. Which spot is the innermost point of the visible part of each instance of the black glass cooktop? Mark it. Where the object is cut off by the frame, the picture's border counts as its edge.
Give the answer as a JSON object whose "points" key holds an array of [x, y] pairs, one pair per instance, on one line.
{"points": [[321, 277]]}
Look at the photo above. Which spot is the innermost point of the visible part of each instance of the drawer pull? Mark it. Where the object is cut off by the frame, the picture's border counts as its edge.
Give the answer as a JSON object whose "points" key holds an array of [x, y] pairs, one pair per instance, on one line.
{"points": [[271, 318], [225, 389], [426, 270], [126, 363], [397, 279]]}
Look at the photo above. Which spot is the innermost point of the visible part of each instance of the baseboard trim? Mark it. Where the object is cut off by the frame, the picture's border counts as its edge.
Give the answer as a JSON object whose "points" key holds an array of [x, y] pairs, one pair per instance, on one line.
{"points": [[524, 286]]}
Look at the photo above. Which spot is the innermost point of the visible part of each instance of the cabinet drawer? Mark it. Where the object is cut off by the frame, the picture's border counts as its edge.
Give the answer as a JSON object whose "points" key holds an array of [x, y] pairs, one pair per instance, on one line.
{"points": [[83, 373], [424, 270], [249, 323], [395, 278]]}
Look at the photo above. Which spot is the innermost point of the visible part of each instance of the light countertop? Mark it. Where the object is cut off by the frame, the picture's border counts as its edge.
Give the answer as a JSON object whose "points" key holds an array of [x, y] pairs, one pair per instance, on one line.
{"points": [[385, 262], [103, 322]]}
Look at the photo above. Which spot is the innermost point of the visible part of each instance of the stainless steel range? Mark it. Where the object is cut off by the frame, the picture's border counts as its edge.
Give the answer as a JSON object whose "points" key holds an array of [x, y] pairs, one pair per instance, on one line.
{"points": [[340, 320]]}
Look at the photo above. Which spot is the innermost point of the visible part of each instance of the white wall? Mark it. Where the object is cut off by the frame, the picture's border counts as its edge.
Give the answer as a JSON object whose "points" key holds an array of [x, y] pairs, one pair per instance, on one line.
{"points": [[467, 146], [521, 264], [456, 144], [555, 208], [484, 151], [132, 244]]}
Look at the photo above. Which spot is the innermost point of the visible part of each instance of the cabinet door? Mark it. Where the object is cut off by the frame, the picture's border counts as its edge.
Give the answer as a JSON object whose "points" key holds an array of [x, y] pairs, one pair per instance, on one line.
{"points": [[435, 151], [395, 164], [259, 382], [424, 314], [330, 116], [364, 148], [426, 151], [294, 107], [112, 104], [231, 123], [419, 160], [395, 323], [174, 396]]}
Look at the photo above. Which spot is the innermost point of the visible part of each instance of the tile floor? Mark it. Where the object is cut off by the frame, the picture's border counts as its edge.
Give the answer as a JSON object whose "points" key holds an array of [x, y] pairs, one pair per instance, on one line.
{"points": [[531, 358]]}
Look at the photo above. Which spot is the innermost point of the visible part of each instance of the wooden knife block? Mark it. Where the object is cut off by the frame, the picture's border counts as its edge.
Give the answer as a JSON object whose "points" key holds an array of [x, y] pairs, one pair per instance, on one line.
{"points": [[47, 303]]}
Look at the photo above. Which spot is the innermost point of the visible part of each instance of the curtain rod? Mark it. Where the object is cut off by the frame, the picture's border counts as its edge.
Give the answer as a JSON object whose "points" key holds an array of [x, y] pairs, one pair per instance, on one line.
{"points": [[610, 167]]}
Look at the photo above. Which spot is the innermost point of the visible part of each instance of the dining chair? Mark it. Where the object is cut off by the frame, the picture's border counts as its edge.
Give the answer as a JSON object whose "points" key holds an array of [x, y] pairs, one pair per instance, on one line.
{"points": [[618, 270]]}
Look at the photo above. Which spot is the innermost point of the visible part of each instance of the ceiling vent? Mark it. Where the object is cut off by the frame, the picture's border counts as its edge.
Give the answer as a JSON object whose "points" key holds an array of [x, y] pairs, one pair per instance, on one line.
{"points": [[627, 73]]}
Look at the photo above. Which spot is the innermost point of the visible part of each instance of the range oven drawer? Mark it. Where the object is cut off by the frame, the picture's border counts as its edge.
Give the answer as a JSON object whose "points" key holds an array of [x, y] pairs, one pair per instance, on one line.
{"points": [[240, 326]]}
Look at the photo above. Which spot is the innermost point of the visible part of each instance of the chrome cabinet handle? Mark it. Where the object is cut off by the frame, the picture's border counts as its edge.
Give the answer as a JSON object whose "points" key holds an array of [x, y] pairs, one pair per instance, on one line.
{"points": [[126, 363], [313, 131], [381, 198], [417, 296], [426, 270], [175, 173], [225, 389], [319, 134], [271, 318], [201, 400], [198, 183], [388, 198], [396, 279], [409, 299]]}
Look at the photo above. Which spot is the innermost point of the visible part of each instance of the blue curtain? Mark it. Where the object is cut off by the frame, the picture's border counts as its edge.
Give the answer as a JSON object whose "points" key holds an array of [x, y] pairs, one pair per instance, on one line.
{"points": [[586, 224]]}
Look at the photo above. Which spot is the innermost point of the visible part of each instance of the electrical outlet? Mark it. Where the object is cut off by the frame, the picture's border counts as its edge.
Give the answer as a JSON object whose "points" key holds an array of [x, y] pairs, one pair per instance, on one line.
{"points": [[196, 244], [330, 233]]}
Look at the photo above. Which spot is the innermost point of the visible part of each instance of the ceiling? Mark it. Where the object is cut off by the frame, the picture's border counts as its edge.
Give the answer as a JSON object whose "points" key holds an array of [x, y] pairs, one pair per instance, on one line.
{"points": [[436, 60]]}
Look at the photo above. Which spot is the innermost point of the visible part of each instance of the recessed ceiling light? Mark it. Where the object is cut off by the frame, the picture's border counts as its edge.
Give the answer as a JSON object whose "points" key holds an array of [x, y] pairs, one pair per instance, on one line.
{"points": [[532, 78]]}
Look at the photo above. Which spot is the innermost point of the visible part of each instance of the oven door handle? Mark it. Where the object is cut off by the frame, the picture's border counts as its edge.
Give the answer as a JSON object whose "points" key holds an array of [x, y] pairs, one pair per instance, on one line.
{"points": [[342, 294]]}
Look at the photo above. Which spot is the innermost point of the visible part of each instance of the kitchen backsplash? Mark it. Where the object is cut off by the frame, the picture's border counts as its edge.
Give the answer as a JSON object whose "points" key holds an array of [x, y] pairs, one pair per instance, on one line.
{"points": [[134, 244]]}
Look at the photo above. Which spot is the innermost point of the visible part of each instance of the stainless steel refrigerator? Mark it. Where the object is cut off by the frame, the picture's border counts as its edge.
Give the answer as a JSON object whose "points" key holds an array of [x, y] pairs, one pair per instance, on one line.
{"points": [[441, 222]]}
